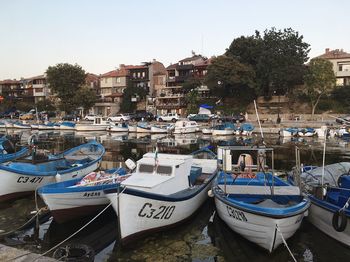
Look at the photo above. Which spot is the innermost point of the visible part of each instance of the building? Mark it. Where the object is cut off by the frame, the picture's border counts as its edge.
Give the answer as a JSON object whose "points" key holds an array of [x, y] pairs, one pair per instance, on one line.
{"points": [[112, 85], [341, 65], [172, 95], [37, 87]]}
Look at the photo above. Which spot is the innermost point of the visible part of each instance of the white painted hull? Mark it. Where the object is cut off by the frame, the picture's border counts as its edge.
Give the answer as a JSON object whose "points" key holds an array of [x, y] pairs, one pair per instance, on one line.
{"points": [[207, 131], [185, 130], [258, 229], [132, 129], [8, 125], [44, 127], [63, 127], [117, 129], [62, 201], [136, 216], [159, 130], [15, 183], [322, 219], [21, 126], [246, 133], [142, 130], [306, 134], [91, 127], [286, 133], [34, 126], [225, 132]]}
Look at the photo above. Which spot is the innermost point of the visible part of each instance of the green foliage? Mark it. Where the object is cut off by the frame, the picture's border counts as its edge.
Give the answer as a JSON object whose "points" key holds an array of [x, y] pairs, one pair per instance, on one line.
{"points": [[227, 77], [192, 100], [45, 105], [319, 80], [191, 84], [129, 92], [66, 80], [340, 97], [85, 98], [277, 58], [23, 106]]}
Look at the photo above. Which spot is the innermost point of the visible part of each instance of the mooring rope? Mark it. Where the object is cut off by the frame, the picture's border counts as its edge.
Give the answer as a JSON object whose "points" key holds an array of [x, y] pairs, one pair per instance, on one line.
{"points": [[80, 229], [285, 243]]}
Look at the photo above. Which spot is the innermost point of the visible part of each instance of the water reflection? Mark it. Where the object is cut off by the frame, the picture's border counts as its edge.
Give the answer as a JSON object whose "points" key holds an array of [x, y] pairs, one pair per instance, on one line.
{"points": [[205, 237]]}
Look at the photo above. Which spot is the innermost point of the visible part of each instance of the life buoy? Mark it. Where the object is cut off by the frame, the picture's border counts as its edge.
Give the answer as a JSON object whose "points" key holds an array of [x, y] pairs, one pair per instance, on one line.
{"points": [[343, 220], [74, 252]]}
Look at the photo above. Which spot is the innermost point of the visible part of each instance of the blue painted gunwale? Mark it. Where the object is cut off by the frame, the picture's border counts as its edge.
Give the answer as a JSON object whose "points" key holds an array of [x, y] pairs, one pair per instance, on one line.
{"points": [[9, 157], [241, 202], [55, 158], [176, 197], [65, 186], [69, 124], [328, 206]]}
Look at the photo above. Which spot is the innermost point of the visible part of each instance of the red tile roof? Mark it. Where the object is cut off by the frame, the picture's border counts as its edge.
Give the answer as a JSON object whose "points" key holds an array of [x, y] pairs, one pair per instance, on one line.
{"points": [[9, 81], [334, 54], [134, 66], [116, 73]]}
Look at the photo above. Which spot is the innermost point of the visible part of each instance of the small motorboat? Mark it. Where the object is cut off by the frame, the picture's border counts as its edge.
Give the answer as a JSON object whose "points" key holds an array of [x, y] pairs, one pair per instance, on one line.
{"points": [[255, 203], [164, 190], [246, 129], [132, 128], [118, 127], [185, 127], [25, 175], [81, 196], [67, 125], [9, 152], [143, 127], [161, 129], [99, 124], [224, 129], [306, 132], [288, 132]]}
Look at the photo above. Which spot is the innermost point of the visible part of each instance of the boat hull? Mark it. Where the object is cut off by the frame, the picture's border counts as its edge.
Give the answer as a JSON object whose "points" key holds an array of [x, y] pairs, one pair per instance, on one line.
{"points": [[226, 132], [261, 230], [118, 129], [139, 215], [321, 218], [82, 127], [14, 183], [185, 130], [142, 130], [158, 130]]}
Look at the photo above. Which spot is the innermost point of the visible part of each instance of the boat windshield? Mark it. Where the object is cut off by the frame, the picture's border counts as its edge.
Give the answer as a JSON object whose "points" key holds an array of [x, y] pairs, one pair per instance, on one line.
{"points": [[162, 170]]}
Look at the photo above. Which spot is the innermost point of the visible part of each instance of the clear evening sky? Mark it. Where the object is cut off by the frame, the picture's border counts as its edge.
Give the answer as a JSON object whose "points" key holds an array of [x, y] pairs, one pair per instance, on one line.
{"points": [[99, 35]]}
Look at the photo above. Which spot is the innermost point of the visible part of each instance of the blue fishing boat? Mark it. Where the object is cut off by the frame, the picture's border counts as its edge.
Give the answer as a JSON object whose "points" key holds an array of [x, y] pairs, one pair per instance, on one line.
{"points": [[8, 151], [25, 175], [79, 197], [67, 125], [246, 129], [253, 202]]}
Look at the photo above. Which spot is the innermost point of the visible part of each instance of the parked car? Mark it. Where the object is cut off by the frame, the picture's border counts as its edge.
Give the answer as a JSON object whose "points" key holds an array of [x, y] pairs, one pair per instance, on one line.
{"points": [[119, 117], [139, 115], [200, 118], [90, 117], [173, 117], [70, 117], [27, 116], [234, 118], [343, 119]]}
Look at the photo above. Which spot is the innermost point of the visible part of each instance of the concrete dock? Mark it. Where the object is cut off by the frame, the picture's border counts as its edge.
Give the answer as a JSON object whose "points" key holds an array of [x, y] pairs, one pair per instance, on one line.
{"points": [[18, 255]]}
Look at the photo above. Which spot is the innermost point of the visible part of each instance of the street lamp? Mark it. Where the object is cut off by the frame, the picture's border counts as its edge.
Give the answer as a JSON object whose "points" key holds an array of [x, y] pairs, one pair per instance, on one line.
{"points": [[278, 108]]}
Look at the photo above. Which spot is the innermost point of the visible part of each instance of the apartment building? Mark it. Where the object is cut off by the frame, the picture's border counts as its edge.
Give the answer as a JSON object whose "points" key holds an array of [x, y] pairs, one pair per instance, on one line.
{"points": [[341, 65]]}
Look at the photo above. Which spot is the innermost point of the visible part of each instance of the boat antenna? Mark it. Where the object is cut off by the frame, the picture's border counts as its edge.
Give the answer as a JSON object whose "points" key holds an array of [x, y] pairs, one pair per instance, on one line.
{"points": [[257, 116]]}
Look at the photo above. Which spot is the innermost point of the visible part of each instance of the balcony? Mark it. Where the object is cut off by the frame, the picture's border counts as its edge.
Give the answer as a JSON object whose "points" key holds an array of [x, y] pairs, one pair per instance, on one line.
{"points": [[179, 105], [170, 96]]}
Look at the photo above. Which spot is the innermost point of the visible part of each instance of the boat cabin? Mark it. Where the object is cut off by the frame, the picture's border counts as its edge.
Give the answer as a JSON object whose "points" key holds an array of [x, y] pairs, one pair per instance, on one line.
{"points": [[162, 174]]}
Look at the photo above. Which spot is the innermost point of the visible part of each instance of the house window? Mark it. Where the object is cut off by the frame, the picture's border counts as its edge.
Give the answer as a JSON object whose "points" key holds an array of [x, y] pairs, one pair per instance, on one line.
{"points": [[39, 90], [105, 80], [118, 79], [340, 68], [143, 74], [138, 74]]}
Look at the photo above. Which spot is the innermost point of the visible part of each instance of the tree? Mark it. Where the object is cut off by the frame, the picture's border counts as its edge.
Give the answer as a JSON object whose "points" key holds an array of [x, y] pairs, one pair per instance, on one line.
{"points": [[85, 98], [127, 105], [66, 80], [192, 100], [227, 77], [45, 105], [319, 80], [277, 58]]}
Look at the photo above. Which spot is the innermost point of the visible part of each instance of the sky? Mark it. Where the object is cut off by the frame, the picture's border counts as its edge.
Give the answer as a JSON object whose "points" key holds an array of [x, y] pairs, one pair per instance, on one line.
{"points": [[102, 34]]}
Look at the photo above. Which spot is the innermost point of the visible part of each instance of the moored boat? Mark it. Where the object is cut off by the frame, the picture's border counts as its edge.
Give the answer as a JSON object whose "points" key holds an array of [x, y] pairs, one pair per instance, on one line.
{"points": [[99, 124], [23, 176], [185, 127], [224, 129], [143, 127], [9, 152], [20, 125], [79, 197], [254, 203], [118, 127], [67, 125], [164, 190]]}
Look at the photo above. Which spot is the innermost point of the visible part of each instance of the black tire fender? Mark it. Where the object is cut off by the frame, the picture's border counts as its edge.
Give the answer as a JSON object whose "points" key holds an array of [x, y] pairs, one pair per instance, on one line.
{"points": [[343, 220]]}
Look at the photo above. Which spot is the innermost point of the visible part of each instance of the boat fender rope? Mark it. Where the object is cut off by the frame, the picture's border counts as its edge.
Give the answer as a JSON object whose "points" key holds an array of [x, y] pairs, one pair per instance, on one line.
{"points": [[343, 219]]}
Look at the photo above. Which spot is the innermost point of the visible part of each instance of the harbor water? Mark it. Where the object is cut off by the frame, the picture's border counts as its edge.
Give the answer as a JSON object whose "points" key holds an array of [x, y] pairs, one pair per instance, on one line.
{"points": [[205, 237]]}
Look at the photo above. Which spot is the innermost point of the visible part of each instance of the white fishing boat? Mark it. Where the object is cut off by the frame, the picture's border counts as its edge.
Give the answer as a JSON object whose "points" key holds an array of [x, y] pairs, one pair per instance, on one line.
{"points": [[185, 127], [118, 127], [143, 127], [67, 125], [80, 197], [306, 132], [288, 132], [225, 129], [8, 124], [46, 126], [23, 176], [164, 190], [255, 203], [99, 124], [161, 129], [207, 131], [132, 128]]}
